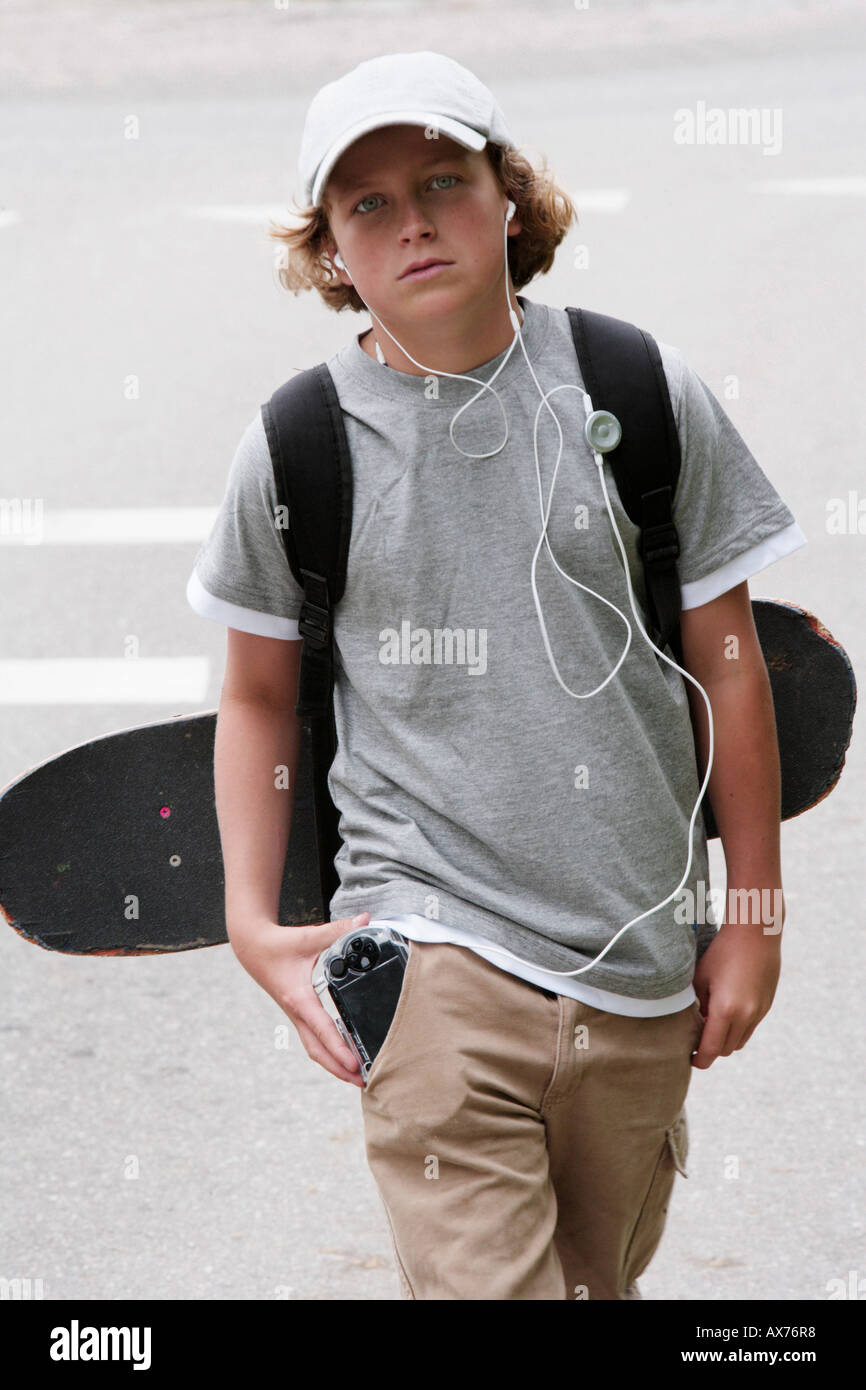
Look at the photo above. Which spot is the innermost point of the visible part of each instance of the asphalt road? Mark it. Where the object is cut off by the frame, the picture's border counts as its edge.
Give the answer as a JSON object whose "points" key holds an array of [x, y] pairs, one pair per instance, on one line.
{"points": [[252, 1181]]}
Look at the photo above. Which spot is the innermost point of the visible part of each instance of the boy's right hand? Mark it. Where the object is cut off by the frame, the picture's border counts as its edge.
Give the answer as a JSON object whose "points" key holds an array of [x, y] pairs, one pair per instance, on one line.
{"points": [[281, 959]]}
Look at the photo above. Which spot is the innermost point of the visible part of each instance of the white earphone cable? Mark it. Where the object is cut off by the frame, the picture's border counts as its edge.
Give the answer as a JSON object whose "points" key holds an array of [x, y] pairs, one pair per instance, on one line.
{"points": [[544, 538]]}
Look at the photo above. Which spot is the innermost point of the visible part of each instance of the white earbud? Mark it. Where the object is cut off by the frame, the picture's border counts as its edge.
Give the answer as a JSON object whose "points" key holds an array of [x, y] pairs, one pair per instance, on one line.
{"points": [[510, 211], [338, 260]]}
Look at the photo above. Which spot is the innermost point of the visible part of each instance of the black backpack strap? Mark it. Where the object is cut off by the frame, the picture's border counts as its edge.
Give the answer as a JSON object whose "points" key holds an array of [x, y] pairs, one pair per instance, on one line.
{"points": [[312, 465], [313, 477], [622, 370]]}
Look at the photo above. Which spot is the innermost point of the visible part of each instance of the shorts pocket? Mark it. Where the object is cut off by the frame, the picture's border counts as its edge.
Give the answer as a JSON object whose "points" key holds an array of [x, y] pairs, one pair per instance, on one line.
{"points": [[397, 1019], [651, 1219], [678, 1142], [697, 1025]]}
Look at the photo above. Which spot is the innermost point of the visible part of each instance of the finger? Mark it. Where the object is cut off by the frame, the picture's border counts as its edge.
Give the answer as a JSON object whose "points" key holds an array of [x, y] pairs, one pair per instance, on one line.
{"points": [[322, 1054], [314, 945], [323, 1027], [748, 1033], [740, 1029], [318, 938], [712, 1042], [318, 1054], [347, 924]]}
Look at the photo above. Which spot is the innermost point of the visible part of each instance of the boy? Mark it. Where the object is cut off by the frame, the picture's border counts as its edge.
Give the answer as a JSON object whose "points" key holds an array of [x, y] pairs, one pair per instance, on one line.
{"points": [[508, 810]]}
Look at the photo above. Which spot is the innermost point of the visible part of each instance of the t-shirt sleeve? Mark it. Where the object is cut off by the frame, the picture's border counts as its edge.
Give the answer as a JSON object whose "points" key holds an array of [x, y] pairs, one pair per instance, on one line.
{"points": [[730, 520], [241, 576]]}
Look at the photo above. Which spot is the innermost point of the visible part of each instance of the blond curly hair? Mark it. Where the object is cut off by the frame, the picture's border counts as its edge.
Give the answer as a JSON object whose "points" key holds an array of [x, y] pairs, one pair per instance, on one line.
{"points": [[545, 213]]}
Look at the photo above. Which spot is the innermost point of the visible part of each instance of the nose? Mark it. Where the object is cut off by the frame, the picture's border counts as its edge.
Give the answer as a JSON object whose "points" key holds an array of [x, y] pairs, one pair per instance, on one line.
{"points": [[414, 222]]}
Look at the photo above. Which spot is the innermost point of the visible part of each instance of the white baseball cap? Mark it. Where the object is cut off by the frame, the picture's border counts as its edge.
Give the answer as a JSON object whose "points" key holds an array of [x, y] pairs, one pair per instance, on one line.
{"points": [[424, 89]]}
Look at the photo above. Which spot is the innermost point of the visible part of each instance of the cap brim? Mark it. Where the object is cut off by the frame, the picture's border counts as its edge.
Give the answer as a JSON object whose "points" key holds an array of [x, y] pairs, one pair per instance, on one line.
{"points": [[456, 130]]}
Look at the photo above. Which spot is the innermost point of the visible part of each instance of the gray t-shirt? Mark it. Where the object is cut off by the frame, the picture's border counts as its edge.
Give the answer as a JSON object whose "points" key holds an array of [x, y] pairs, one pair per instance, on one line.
{"points": [[473, 790]]}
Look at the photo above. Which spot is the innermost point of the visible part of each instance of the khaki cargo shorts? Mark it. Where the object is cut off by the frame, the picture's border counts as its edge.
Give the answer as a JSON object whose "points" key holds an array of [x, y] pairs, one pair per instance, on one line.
{"points": [[524, 1144]]}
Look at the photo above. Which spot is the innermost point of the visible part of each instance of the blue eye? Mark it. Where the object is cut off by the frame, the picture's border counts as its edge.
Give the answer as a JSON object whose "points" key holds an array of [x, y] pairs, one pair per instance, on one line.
{"points": [[359, 206]]}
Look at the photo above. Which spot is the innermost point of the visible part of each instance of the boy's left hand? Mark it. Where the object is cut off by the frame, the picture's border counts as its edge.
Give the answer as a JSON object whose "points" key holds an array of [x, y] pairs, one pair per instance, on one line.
{"points": [[735, 981]]}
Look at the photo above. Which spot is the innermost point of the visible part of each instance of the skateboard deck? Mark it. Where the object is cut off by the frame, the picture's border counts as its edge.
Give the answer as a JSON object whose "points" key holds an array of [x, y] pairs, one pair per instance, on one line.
{"points": [[113, 848], [814, 696]]}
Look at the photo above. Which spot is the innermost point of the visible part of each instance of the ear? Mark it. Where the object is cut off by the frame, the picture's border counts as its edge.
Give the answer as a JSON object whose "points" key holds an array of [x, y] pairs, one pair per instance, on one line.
{"points": [[331, 249]]}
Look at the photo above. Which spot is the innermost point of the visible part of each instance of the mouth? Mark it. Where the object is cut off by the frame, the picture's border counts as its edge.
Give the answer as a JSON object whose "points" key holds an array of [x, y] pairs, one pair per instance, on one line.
{"points": [[425, 270]]}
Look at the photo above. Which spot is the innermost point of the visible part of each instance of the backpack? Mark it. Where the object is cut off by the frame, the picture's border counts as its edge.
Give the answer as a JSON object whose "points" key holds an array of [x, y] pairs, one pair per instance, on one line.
{"points": [[622, 371]]}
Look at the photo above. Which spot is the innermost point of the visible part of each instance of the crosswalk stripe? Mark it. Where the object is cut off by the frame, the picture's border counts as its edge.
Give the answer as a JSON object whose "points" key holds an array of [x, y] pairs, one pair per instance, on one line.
{"points": [[104, 680], [855, 186], [26, 521]]}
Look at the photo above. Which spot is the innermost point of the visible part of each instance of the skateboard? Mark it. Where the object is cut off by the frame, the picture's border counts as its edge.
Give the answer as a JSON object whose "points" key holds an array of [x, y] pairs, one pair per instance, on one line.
{"points": [[113, 848], [814, 696]]}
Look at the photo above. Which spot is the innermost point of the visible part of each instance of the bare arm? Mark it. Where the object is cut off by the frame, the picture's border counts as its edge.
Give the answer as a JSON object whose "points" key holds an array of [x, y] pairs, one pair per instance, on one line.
{"points": [[721, 649], [736, 977], [257, 736], [257, 733]]}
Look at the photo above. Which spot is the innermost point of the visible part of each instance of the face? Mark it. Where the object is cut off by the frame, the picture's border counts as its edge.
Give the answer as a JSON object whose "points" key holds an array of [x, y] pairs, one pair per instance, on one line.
{"points": [[395, 197]]}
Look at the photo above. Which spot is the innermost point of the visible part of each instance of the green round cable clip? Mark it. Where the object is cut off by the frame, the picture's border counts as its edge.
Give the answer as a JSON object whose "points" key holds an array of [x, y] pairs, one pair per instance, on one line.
{"points": [[603, 431]]}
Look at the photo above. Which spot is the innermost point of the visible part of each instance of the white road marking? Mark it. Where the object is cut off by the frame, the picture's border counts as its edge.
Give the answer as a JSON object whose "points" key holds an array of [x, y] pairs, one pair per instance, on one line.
{"points": [[29, 524], [243, 212], [853, 186], [104, 681], [600, 199]]}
